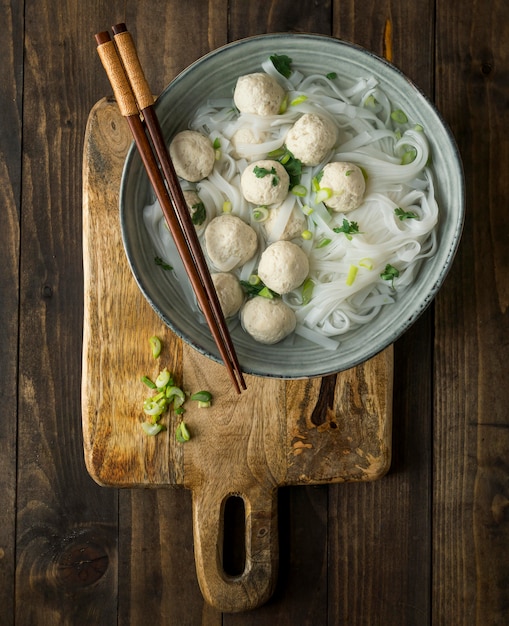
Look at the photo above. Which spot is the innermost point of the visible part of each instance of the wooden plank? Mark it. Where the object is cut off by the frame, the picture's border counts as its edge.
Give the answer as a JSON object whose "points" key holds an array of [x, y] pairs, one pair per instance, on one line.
{"points": [[379, 533], [471, 494], [66, 525], [11, 79]]}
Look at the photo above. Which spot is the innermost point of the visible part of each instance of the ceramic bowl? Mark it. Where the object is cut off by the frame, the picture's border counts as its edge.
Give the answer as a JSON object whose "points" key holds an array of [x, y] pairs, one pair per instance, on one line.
{"points": [[214, 75]]}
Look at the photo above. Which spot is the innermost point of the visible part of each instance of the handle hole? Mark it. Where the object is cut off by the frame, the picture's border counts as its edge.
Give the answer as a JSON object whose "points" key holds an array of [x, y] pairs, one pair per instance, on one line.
{"points": [[234, 537]]}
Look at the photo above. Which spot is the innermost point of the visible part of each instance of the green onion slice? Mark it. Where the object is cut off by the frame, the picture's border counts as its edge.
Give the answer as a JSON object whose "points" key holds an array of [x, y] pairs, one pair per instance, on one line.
{"points": [[202, 396], [156, 346], [152, 429]]}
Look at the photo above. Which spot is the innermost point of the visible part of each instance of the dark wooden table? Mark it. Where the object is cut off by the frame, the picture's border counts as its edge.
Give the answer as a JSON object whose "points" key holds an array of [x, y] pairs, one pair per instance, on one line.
{"points": [[429, 543]]}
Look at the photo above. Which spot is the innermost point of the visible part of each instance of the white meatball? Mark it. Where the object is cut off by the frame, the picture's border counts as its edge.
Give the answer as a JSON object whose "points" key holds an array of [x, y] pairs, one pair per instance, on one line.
{"points": [[229, 292], [230, 242], [196, 207], [294, 226], [347, 184], [242, 139], [265, 182], [193, 155], [283, 266], [258, 93], [267, 321], [311, 138]]}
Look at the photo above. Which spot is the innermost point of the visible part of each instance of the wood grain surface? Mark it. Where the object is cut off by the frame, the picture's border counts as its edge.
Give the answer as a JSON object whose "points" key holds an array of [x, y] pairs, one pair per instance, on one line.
{"points": [[276, 433], [426, 544]]}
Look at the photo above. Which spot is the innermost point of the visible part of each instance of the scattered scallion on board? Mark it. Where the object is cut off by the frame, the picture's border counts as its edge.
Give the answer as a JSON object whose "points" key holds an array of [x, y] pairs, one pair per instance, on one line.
{"points": [[167, 395]]}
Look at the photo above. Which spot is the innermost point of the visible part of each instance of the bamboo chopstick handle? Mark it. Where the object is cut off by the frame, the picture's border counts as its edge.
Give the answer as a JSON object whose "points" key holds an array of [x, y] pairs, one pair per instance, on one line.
{"points": [[132, 65], [111, 63]]}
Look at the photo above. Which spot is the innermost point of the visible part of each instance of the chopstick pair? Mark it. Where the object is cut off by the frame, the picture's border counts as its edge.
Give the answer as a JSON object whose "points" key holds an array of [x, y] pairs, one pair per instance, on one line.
{"points": [[135, 99]]}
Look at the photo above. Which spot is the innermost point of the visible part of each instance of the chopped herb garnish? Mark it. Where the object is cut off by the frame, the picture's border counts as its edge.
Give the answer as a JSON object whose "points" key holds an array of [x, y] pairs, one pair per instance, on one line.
{"points": [[348, 172], [282, 63], [399, 117], [390, 273], [348, 228], [162, 264], [182, 433], [409, 156], [202, 396], [331, 75], [217, 143], [198, 213], [405, 215], [323, 242], [307, 290], [261, 172], [156, 345], [292, 165], [257, 289]]}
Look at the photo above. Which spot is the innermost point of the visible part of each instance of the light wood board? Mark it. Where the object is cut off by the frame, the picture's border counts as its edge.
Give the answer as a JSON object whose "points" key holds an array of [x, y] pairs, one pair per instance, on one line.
{"points": [[276, 433]]}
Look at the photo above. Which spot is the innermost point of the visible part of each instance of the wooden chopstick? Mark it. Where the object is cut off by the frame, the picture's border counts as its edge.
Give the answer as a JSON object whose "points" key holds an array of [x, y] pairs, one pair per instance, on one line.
{"points": [[134, 97]]}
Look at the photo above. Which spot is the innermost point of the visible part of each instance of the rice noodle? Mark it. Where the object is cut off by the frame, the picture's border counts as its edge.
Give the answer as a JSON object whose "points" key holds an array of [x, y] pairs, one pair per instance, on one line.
{"points": [[368, 137]]}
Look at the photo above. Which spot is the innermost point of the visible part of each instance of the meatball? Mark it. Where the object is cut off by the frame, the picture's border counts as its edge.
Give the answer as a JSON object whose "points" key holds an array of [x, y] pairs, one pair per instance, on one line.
{"points": [[196, 207], [193, 155], [294, 226], [347, 184], [267, 321], [245, 137], [258, 93], [230, 242], [265, 182], [229, 292], [283, 266], [311, 138]]}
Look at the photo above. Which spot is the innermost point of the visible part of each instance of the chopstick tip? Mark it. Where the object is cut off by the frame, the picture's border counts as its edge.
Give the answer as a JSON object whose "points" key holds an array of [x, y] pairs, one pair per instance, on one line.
{"points": [[102, 37], [119, 28]]}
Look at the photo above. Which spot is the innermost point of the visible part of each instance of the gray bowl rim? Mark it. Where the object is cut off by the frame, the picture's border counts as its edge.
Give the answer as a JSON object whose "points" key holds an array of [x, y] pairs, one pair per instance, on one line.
{"points": [[402, 328]]}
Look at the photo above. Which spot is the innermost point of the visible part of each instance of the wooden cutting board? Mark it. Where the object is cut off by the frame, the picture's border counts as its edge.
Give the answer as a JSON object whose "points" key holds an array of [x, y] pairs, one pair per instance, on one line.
{"points": [[276, 433]]}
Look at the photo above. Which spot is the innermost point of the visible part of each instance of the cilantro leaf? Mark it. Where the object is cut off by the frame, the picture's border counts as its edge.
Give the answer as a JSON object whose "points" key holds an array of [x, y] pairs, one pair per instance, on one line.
{"points": [[390, 273], [282, 63], [404, 215], [198, 213], [348, 228], [261, 172]]}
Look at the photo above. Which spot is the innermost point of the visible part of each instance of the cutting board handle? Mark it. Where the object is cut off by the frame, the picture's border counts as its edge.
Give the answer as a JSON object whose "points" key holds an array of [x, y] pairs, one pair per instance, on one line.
{"points": [[255, 585]]}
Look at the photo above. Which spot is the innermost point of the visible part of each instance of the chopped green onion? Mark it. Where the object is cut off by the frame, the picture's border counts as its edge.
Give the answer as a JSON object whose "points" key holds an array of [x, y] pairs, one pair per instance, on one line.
{"points": [[180, 410], [323, 242], [307, 290], [352, 273], [399, 117], [315, 182], [217, 143], [156, 345], [298, 100], [285, 158], [151, 407], [366, 263], [307, 210], [254, 279], [227, 206], [284, 105], [202, 396], [260, 214], [370, 102], [204, 405], [182, 434], [266, 293], [418, 128], [146, 381], [152, 429], [299, 190], [177, 395], [324, 193], [163, 378], [331, 75], [409, 156], [307, 235]]}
